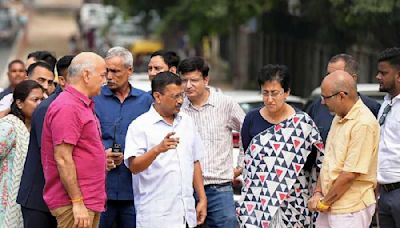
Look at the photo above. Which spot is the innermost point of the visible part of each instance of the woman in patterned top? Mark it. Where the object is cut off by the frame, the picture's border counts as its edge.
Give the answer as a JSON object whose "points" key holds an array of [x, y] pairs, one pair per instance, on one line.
{"points": [[14, 140], [283, 154]]}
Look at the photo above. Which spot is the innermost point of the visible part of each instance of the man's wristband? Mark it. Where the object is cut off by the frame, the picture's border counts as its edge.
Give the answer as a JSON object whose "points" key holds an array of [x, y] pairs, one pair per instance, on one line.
{"points": [[77, 200], [322, 206], [317, 191]]}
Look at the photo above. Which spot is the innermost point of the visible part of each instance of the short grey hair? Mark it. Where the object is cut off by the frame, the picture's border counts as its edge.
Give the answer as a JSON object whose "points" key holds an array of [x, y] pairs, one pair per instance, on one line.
{"points": [[121, 52], [76, 69], [351, 65]]}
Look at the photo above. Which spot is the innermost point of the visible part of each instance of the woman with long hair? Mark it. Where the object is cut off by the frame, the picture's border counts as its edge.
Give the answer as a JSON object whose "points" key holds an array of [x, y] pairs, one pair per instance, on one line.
{"points": [[14, 141], [283, 154]]}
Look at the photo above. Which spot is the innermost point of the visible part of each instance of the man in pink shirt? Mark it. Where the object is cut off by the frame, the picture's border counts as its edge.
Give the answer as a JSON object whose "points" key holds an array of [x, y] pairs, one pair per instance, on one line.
{"points": [[73, 155]]}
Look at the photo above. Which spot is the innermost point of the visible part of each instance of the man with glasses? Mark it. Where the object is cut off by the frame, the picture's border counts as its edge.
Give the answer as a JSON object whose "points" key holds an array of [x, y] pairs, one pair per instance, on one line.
{"points": [[344, 194], [117, 106], [216, 116], [389, 147], [319, 112], [162, 150]]}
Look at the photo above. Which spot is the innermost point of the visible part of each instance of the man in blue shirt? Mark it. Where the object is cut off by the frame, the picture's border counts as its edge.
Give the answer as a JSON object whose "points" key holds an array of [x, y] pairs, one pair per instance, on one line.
{"points": [[117, 106], [319, 112], [30, 195]]}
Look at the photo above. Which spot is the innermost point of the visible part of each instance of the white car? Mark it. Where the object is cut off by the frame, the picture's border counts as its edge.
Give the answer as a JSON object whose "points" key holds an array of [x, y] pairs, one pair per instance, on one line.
{"points": [[140, 81], [248, 100]]}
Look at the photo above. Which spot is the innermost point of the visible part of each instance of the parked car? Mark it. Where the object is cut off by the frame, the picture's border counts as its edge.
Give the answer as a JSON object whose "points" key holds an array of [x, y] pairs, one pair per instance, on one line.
{"points": [[8, 25], [248, 100], [124, 34]]}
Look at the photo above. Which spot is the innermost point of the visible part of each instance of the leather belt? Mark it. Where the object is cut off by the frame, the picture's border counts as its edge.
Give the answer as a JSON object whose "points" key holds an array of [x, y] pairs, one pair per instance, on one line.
{"points": [[391, 187]]}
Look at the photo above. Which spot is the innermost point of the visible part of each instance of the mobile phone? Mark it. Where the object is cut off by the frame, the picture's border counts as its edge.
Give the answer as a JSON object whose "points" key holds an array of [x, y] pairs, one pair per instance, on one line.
{"points": [[116, 148]]}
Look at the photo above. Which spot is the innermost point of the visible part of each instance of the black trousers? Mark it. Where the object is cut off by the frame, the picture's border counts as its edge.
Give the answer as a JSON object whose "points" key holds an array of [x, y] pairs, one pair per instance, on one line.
{"points": [[35, 218], [389, 208]]}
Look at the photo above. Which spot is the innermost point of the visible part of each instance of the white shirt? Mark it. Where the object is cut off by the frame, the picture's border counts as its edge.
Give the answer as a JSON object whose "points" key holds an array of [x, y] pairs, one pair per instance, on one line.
{"points": [[164, 191], [389, 144], [6, 102], [216, 120]]}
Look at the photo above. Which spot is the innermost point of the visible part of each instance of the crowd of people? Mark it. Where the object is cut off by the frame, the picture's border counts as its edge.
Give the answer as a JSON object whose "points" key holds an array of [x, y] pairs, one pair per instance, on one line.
{"points": [[80, 146]]}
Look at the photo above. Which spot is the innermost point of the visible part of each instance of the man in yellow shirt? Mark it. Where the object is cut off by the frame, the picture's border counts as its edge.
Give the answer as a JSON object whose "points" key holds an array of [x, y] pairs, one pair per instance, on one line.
{"points": [[345, 190]]}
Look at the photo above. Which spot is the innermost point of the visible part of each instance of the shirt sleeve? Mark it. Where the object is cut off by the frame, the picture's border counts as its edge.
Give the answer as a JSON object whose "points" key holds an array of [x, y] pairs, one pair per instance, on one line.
{"points": [[362, 149], [197, 146], [237, 116], [6, 102], [66, 126], [135, 142], [245, 132]]}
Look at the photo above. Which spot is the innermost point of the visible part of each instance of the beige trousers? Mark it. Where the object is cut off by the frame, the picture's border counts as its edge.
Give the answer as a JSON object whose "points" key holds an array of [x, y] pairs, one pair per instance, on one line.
{"points": [[65, 217]]}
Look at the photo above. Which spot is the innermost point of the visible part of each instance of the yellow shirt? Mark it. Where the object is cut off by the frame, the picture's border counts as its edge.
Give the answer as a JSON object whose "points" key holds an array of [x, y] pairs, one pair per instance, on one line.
{"points": [[352, 146]]}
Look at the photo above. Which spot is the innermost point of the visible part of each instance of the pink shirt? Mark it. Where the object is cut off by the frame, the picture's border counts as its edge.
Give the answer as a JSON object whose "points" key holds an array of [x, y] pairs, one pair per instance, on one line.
{"points": [[71, 119]]}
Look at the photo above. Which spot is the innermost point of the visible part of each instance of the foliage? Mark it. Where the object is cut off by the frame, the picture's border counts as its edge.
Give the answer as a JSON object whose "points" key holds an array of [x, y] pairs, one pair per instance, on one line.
{"points": [[370, 22]]}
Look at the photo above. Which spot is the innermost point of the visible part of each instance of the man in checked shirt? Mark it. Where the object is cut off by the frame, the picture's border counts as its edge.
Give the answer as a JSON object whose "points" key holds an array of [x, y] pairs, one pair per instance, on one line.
{"points": [[215, 116]]}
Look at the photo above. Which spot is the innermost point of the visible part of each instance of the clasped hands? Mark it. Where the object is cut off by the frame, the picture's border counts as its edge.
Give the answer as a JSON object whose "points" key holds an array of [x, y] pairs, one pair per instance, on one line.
{"points": [[316, 203]]}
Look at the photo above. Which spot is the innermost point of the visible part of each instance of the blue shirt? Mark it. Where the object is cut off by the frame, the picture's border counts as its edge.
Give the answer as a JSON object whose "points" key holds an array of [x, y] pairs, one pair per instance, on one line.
{"points": [[30, 194], [115, 118], [323, 118]]}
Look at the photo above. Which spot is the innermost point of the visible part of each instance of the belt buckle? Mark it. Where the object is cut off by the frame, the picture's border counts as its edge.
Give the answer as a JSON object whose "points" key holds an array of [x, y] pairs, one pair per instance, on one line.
{"points": [[389, 187]]}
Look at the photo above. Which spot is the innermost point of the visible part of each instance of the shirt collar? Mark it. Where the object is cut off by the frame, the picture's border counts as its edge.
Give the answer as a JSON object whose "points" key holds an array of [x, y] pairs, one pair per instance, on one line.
{"points": [[210, 101], [391, 100], [156, 117], [58, 90], [352, 114], [86, 100], [133, 91]]}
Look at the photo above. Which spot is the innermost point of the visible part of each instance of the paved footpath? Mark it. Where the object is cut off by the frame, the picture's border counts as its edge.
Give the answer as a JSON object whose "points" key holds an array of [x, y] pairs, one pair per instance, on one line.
{"points": [[51, 23]]}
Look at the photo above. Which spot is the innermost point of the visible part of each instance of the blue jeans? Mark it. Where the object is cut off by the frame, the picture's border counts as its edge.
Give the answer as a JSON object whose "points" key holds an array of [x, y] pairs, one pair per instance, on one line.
{"points": [[220, 206], [120, 213]]}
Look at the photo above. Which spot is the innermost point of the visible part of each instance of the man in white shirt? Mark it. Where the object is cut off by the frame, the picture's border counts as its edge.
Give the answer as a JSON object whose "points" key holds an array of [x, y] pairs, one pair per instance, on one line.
{"points": [[162, 150], [389, 147], [16, 73]]}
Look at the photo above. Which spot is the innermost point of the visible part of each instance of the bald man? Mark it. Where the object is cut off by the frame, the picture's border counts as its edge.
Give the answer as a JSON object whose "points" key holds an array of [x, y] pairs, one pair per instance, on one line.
{"points": [[345, 190], [319, 112], [73, 155]]}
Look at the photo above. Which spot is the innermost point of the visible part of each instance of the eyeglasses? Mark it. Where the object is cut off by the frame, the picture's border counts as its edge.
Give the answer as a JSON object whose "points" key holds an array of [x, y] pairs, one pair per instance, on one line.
{"points": [[192, 81], [328, 97], [385, 112], [273, 94], [177, 96]]}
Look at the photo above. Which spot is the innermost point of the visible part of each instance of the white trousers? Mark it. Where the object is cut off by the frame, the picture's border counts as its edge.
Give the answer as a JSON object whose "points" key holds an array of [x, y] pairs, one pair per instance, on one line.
{"points": [[359, 219]]}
